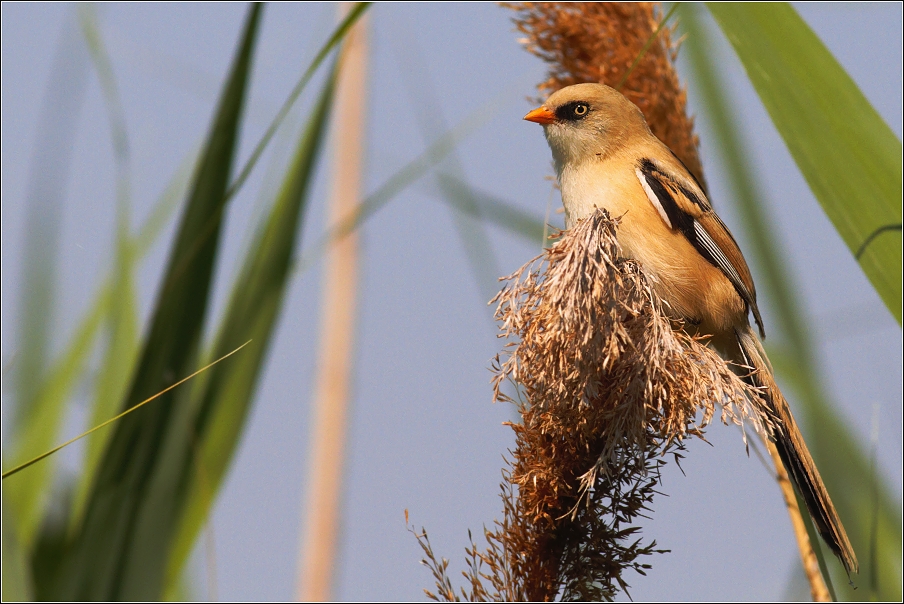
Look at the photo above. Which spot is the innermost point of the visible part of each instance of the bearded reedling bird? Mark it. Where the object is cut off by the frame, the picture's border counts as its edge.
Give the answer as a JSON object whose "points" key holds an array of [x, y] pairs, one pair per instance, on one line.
{"points": [[606, 157]]}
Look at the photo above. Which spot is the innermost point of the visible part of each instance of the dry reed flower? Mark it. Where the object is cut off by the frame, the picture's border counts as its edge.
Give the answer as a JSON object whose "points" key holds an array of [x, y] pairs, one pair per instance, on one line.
{"points": [[598, 42], [606, 387]]}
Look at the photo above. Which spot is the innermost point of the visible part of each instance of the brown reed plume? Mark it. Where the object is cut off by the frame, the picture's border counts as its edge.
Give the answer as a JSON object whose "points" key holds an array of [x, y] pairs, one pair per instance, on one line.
{"points": [[599, 42], [606, 387], [629, 47]]}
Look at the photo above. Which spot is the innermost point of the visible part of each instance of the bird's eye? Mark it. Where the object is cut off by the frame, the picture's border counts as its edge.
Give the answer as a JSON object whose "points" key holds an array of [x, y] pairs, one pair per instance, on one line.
{"points": [[573, 111]]}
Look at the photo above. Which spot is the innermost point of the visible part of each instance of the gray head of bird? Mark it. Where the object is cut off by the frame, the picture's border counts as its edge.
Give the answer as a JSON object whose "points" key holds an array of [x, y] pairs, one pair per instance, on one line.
{"points": [[587, 121]]}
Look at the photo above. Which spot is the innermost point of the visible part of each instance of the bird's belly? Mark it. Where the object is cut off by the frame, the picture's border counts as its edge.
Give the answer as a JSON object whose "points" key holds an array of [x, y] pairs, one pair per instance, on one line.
{"points": [[692, 288]]}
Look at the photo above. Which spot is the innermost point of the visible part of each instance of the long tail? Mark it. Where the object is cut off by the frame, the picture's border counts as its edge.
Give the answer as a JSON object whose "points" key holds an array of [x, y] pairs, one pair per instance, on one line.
{"points": [[793, 451]]}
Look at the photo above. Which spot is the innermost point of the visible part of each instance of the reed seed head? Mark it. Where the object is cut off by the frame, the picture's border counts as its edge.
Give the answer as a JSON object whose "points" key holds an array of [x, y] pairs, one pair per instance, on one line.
{"points": [[607, 386]]}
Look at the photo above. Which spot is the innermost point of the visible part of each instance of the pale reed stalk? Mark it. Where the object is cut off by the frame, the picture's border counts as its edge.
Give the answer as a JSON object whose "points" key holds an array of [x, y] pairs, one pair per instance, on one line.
{"points": [[818, 590], [321, 528]]}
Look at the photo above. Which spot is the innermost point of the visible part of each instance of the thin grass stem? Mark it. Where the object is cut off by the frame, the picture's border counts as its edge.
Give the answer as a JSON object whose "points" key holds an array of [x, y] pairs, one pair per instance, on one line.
{"points": [[35, 460]]}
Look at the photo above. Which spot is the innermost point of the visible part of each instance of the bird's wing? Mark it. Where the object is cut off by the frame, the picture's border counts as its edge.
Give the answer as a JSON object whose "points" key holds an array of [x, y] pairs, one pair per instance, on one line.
{"points": [[683, 206]]}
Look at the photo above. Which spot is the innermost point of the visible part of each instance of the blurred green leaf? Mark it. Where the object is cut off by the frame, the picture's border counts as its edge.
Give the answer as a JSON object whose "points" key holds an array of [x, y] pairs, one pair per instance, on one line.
{"points": [[116, 367], [27, 493], [166, 204], [119, 553], [864, 501], [338, 35], [857, 491], [488, 207], [405, 176], [41, 431], [41, 387], [252, 314], [31, 490], [122, 318], [848, 154], [16, 580], [48, 175], [472, 234], [15, 470]]}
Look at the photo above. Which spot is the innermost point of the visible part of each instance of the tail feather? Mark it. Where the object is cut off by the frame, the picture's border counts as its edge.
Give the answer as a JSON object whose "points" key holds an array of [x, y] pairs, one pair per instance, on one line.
{"points": [[794, 453]]}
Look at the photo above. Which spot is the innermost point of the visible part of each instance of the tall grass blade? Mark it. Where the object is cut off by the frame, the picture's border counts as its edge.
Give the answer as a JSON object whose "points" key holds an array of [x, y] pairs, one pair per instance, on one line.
{"points": [[40, 387], [337, 36], [841, 461], [253, 311], [174, 192], [121, 322], [848, 154], [122, 345], [48, 176], [120, 550], [27, 495]]}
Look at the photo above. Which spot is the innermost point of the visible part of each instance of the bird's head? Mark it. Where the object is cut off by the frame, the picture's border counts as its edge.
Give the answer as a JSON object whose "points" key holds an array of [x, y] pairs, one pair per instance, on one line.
{"points": [[587, 121]]}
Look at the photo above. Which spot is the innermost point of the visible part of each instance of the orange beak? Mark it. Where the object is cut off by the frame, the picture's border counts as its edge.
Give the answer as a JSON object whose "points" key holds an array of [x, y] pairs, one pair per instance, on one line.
{"points": [[541, 115]]}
